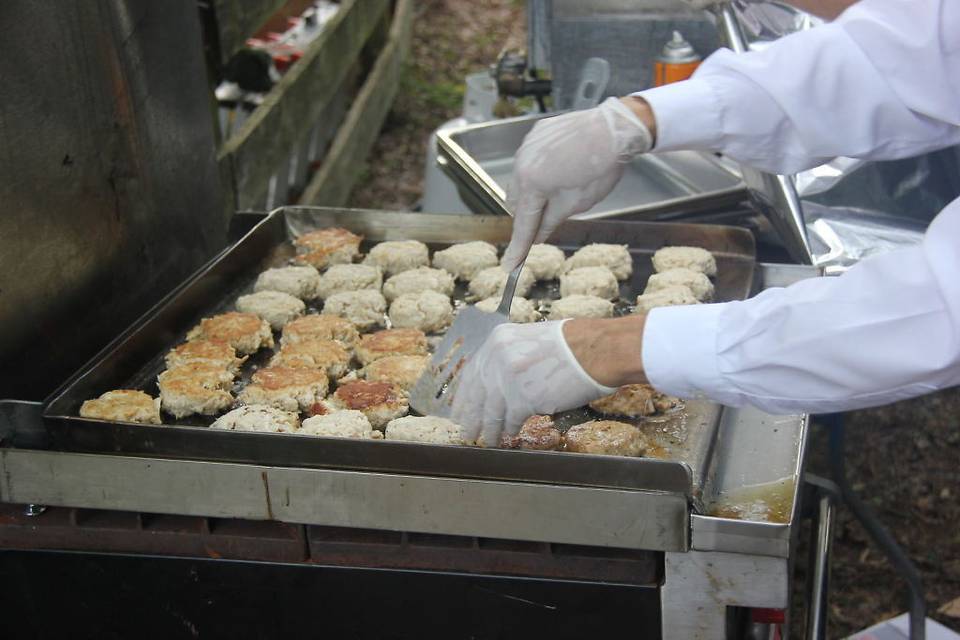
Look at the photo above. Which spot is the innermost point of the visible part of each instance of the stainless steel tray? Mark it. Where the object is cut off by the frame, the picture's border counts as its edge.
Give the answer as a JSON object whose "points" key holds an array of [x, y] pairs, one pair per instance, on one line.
{"points": [[135, 358], [479, 159]]}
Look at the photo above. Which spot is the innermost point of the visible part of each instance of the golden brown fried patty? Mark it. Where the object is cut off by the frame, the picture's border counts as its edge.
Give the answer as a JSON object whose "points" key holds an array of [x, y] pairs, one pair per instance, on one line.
{"points": [[326, 355], [538, 433], [403, 371], [124, 405], [631, 400], [215, 352], [381, 402], [391, 342], [606, 437], [286, 388], [195, 387], [321, 327], [325, 247], [245, 332]]}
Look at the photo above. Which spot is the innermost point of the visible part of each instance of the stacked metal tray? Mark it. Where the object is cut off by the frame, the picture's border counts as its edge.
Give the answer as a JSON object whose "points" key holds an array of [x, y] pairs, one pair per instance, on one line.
{"points": [[136, 357]]}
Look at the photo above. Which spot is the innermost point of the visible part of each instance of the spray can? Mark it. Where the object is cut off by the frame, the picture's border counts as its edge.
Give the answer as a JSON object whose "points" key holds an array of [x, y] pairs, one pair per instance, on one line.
{"points": [[677, 62]]}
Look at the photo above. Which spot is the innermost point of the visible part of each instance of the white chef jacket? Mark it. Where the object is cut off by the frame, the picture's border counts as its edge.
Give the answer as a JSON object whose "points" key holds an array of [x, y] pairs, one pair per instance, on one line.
{"points": [[880, 82]]}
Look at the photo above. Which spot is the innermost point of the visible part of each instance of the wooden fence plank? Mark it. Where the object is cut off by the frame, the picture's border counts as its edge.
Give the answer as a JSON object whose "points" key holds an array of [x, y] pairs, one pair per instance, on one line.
{"points": [[332, 183], [297, 101], [237, 20]]}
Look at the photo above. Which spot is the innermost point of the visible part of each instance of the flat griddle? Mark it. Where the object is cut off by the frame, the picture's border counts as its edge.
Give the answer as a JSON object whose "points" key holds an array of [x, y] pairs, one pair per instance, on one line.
{"points": [[688, 436]]}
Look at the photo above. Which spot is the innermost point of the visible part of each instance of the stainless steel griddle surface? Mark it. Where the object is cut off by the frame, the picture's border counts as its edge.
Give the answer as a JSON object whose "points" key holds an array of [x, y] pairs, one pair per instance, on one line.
{"points": [[686, 435]]}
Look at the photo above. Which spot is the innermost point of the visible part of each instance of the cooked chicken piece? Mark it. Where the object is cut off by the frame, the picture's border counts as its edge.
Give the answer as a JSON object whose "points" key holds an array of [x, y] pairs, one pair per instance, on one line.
{"points": [[538, 433], [321, 327], [417, 280], [123, 405], [580, 306], [245, 332], [341, 424], [615, 257], [213, 352], [286, 388], [427, 311], [698, 283], [381, 402], [258, 417], [391, 342], [606, 437], [325, 247], [300, 282], [466, 259], [195, 387], [275, 307], [326, 355], [590, 281], [426, 429], [693, 258], [366, 308], [397, 256]]}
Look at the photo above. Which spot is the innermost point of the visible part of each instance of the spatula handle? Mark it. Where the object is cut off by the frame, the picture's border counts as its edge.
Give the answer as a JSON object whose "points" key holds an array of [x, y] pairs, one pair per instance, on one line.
{"points": [[508, 290]]}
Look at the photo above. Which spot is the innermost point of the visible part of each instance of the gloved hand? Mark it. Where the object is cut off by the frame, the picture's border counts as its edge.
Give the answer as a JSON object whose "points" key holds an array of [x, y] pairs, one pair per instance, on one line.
{"points": [[521, 370], [566, 165]]}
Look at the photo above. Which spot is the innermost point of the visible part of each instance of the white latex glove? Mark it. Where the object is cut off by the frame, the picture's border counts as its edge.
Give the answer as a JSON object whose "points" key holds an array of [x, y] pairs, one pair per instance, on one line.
{"points": [[566, 165], [521, 370]]}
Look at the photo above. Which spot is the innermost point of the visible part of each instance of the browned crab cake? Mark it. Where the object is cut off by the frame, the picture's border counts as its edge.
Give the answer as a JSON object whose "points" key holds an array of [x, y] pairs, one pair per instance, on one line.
{"points": [[321, 327], [538, 433], [195, 387], [286, 388], [325, 247], [245, 332], [606, 437], [391, 342], [381, 402], [124, 405], [326, 355], [403, 371], [215, 352], [630, 400]]}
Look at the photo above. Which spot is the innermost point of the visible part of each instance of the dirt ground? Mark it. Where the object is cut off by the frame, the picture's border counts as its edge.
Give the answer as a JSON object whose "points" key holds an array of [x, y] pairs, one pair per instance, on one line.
{"points": [[903, 459]]}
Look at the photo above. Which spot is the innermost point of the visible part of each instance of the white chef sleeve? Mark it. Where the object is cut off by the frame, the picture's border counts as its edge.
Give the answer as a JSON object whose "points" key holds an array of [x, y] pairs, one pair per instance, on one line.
{"points": [[887, 329], [880, 82]]}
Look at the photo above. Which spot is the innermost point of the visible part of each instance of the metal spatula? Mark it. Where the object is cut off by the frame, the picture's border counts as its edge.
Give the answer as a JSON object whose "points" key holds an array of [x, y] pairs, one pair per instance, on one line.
{"points": [[434, 391]]}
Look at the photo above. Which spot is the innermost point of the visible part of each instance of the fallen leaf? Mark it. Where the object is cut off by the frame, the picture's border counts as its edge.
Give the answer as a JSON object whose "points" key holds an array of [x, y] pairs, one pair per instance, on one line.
{"points": [[951, 609]]}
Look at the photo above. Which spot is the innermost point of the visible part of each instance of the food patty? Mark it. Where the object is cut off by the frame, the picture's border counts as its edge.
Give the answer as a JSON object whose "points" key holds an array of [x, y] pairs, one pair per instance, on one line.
{"points": [[606, 437], [698, 283], [631, 400], [349, 277], [580, 306], [538, 433], [245, 332], [590, 281], [214, 352], [427, 311], [300, 282], [670, 296], [391, 342], [258, 417], [397, 256], [489, 283], [286, 388], [615, 257], [544, 262], [195, 387], [466, 259], [366, 309], [403, 371], [322, 326], [425, 429], [325, 247], [693, 258], [123, 405], [521, 309], [341, 424], [417, 280], [381, 402], [275, 307], [325, 355]]}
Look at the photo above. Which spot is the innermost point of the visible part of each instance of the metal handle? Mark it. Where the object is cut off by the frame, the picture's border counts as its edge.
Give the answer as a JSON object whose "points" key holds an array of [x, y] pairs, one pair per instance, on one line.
{"points": [[507, 300], [820, 577]]}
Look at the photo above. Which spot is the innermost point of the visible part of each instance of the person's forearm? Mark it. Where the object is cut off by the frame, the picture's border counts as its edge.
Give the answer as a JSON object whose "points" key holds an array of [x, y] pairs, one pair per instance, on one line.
{"points": [[609, 350], [643, 111]]}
